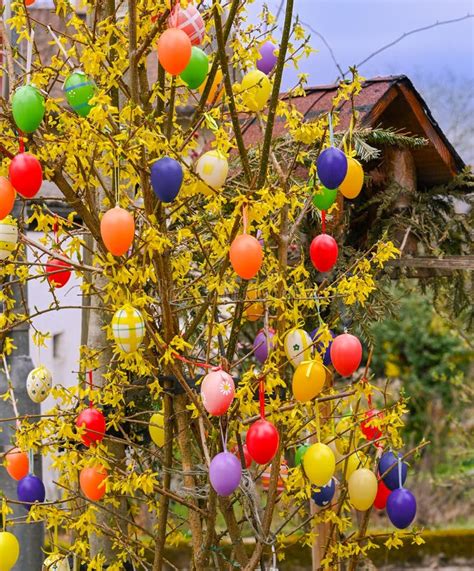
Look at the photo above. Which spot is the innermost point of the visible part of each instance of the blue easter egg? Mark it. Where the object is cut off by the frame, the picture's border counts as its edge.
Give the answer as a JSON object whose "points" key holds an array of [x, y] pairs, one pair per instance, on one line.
{"points": [[401, 508], [166, 178], [332, 167], [323, 495], [391, 479]]}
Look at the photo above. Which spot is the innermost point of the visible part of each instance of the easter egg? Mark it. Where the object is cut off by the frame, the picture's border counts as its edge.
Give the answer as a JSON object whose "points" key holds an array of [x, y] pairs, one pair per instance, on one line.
{"points": [[117, 228], [56, 562], [323, 252], [27, 108], [17, 463], [297, 346], [382, 495], [247, 458], [128, 328], [26, 174], [246, 256], [217, 392], [174, 50], [362, 488], [332, 167], [401, 508], [255, 90], [166, 178], [308, 380], [216, 90], [354, 462], [93, 423], [225, 472], [58, 272], [213, 167], [157, 429], [282, 477], [323, 496], [352, 184], [7, 197], [324, 198], [262, 441], [196, 71], [253, 311], [9, 550], [92, 482], [30, 489], [370, 431], [324, 349], [268, 58], [8, 237], [79, 89], [263, 344], [300, 452], [391, 479], [346, 354], [190, 21], [319, 464], [39, 383]]}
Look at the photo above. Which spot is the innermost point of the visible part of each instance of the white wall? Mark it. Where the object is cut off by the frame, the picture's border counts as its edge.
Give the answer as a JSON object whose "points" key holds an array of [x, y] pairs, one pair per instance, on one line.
{"points": [[66, 324]]}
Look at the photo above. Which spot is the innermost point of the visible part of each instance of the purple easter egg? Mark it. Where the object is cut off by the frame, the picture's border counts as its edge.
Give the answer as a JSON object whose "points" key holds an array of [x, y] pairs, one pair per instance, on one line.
{"points": [[225, 472], [267, 59], [401, 508], [324, 494], [166, 178], [262, 346], [30, 489], [332, 167], [391, 480], [319, 347]]}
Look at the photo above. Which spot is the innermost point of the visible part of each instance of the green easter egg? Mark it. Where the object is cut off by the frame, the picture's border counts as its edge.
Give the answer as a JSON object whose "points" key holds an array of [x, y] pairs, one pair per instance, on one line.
{"points": [[196, 70], [79, 89], [324, 198], [300, 452], [27, 108]]}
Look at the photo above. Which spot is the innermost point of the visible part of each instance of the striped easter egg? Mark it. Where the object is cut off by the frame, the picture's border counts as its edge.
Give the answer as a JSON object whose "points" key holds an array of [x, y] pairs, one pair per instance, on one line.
{"points": [[128, 328], [8, 237], [79, 89]]}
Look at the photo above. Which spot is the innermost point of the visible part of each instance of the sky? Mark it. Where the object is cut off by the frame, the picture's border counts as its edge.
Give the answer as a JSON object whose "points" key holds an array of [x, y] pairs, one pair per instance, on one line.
{"points": [[440, 61]]}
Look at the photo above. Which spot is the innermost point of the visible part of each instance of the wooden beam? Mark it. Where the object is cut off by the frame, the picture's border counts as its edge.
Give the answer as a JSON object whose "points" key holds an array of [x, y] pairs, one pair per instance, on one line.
{"points": [[448, 263]]}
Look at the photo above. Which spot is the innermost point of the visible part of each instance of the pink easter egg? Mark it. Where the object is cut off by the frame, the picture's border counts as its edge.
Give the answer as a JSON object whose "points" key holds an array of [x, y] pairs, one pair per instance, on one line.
{"points": [[217, 392]]}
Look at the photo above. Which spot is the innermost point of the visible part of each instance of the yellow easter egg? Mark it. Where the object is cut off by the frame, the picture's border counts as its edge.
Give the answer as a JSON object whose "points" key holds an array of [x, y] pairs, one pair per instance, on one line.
{"points": [[352, 184], [156, 428], [255, 90], [308, 380], [362, 487], [319, 464]]}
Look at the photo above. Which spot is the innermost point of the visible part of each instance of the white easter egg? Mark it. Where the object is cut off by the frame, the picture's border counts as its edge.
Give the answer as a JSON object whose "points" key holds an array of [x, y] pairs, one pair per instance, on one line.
{"points": [[298, 345], [213, 168], [56, 562], [8, 237], [39, 383]]}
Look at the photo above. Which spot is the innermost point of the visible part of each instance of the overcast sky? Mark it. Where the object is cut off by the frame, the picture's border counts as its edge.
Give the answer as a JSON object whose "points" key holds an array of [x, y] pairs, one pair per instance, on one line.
{"points": [[440, 61]]}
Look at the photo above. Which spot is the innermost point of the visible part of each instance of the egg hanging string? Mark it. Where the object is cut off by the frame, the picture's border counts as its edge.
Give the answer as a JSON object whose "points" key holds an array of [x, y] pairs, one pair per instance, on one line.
{"points": [[29, 56], [331, 130], [323, 221], [262, 397], [245, 217], [318, 426], [91, 386], [223, 435], [31, 462], [62, 49], [400, 483], [4, 514]]}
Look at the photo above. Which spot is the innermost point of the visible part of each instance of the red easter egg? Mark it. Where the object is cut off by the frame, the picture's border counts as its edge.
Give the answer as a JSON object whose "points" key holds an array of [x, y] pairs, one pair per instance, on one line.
{"points": [[262, 441], [174, 50], [190, 21], [246, 256], [217, 392], [92, 482], [26, 174], [18, 464], [371, 432], [7, 197], [346, 354], [117, 229], [57, 276], [382, 495], [323, 252], [94, 422], [247, 457]]}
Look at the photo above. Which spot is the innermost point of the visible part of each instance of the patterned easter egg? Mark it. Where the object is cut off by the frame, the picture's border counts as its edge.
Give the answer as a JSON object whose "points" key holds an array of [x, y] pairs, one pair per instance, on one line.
{"points": [[56, 562], [213, 167], [128, 328], [79, 89], [297, 346], [190, 21], [217, 392], [39, 383], [8, 237]]}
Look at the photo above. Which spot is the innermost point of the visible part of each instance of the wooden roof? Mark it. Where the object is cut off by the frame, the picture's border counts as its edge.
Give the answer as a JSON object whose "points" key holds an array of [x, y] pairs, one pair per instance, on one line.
{"points": [[383, 102]]}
